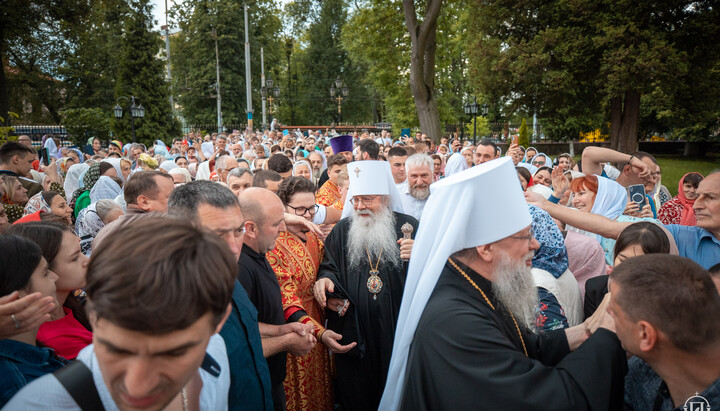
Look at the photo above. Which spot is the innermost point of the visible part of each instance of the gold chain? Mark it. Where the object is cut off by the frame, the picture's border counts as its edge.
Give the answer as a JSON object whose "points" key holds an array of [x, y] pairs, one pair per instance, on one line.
{"points": [[370, 260], [522, 340]]}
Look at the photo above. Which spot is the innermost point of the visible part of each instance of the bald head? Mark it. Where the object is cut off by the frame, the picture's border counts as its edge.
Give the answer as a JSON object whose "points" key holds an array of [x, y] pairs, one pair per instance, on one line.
{"points": [[264, 213]]}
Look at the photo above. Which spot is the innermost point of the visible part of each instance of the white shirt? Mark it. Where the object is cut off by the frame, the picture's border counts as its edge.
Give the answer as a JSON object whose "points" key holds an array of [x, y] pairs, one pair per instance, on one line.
{"points": [[411, 205], [46, 392]]}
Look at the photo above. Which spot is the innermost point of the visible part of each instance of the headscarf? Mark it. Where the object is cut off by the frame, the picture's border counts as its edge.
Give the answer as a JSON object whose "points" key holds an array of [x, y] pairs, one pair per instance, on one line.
{"points": [[52, 148], [116, 163], [531, 168], [104, 188], [552, 254], [161, 149], [87, 225], [610, 200], [455, 164], [168, 165], [687, 216], [525, 159], [149, 161], [62, 166], [89, 179], [548, 160], [35, 204], [302, 163], [207, 149], [72, 179]]}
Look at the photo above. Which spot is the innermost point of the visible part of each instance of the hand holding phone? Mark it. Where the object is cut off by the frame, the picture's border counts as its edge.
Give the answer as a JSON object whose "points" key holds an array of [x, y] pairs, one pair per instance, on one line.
{"points": [[44, 156], [637, 195]]}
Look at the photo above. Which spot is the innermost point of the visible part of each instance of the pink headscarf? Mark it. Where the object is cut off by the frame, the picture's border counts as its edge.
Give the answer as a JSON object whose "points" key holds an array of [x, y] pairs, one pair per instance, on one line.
{"points": [[687, 217]]}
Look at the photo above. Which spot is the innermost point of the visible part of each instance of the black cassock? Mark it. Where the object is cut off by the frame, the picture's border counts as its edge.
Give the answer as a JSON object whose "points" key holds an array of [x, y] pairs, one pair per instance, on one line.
{"points": [[361, 372], [465, 355]]}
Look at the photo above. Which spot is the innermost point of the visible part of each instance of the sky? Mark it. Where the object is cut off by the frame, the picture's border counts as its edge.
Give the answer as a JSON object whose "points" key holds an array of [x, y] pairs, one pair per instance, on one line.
{"points": [[159, 10]]}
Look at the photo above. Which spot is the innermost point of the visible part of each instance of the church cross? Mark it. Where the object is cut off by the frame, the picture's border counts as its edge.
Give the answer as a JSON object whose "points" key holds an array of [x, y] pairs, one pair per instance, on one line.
{"points": [[357, 171]]}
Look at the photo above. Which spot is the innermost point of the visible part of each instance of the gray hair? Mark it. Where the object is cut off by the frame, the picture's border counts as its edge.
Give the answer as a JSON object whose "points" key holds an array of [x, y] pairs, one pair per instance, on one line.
{"points": [[238, 172], [220, 163], [105, 206], [419, 160], [182, 172], [185, 200]]}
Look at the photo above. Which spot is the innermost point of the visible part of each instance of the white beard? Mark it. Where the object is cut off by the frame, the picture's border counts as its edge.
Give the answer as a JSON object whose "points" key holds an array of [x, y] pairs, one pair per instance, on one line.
{"points": [[515, 289], [373, 234]]}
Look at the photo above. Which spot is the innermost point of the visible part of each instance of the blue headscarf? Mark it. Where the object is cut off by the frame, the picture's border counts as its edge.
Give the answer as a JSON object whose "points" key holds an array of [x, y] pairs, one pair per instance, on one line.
{"points": [[552, 254]]}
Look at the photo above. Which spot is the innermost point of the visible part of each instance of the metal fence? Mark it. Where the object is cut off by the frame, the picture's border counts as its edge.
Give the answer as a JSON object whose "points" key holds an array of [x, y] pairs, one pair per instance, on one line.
{"points": [[36, 133], [211, 128]]}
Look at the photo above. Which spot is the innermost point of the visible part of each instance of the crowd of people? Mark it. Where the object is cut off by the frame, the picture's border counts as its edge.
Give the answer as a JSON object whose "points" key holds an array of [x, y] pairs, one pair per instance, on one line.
{"points": [[316, 271]]}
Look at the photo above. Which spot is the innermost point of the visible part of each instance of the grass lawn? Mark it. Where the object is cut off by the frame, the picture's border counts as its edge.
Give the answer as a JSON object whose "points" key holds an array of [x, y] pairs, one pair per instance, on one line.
{"points": [[674, 167]]}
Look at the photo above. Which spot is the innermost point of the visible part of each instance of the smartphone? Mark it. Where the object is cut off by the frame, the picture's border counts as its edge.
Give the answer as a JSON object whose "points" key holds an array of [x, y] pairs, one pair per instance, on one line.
{"points": [[515, 139], [637, 195], [44, 156]]}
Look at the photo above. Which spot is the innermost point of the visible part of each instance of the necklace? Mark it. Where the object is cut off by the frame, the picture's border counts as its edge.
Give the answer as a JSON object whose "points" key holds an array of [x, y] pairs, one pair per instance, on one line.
{"points": [[183, 393], [522, 340], [374, 283]]}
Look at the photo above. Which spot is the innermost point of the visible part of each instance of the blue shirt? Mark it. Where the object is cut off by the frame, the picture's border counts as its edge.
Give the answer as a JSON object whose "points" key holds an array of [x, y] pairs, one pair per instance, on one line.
{"points": [[697, 244], [643, 387], [250, 387], [21, 363]]}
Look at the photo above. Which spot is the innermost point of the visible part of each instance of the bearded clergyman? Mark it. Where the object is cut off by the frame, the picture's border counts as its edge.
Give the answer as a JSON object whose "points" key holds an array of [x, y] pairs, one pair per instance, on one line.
{"points": [[466, 336], [361, 280]]}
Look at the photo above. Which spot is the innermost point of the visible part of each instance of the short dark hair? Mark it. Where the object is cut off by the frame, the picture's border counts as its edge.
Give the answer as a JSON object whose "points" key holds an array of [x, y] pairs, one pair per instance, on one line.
{"points": [[293, 185], [371, 147], [715, 270], [279, 163], [649, 236], [336, 160], [13, 148], [142, 183], [45, 234], [21, 257], [160, 292], [185, 200], [488, 143], [693, 179], [670, 292], [260, 178], [397, 152]]}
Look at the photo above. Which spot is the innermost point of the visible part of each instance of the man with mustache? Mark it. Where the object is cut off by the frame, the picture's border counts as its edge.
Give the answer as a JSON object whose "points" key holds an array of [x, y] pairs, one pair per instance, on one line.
{"points": [[466, 334], [416, 190], [361, 280]]}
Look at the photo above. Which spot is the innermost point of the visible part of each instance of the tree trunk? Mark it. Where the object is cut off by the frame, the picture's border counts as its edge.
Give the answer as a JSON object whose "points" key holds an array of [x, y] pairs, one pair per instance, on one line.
{"points": [[624, 119], [4, 97], [422, 66]]}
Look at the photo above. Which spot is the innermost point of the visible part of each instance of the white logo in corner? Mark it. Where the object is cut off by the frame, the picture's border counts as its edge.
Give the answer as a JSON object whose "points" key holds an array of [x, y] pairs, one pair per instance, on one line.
{"points": [[696, 403]]}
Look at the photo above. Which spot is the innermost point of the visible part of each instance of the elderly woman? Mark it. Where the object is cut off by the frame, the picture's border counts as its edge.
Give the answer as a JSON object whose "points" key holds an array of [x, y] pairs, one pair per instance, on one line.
{"points": [[302, 169], [23, 269]]}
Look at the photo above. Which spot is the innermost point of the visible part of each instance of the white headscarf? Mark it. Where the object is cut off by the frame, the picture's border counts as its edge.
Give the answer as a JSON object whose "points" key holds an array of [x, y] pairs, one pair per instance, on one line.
{"points": [[72, 179], [301, 163], [455, 164], [450, 223], [53, 151], [115, 162], [104, 188], [610, 200], [207, 149]]}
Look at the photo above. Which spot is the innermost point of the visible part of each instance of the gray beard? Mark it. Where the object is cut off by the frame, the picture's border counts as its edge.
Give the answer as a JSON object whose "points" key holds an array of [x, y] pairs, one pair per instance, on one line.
{"points": [[420, 193], [515, 289], [373, 234]]}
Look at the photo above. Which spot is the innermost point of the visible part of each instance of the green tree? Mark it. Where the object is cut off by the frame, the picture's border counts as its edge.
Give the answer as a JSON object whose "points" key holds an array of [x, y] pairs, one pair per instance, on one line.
{"points": [[193, 56], [82, 123], [524, 134], [141, 74]]}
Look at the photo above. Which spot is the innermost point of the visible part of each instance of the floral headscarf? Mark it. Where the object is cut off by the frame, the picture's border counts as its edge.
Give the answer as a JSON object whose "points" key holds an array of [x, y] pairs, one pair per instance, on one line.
{"points": [[149, 161], [37, 203], [63, 167], [87, 225], [92, 175], [552, 254]]}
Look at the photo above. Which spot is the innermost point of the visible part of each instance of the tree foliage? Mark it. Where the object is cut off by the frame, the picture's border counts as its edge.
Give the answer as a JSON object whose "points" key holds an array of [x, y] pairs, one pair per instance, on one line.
{"points": [[82, 123], [584, 64], [524, 134]]}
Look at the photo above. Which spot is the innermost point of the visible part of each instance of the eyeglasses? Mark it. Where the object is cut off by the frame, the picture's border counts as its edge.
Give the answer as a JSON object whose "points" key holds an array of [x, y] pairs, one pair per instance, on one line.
{"points": [[538, 163], [302, 210], [365, 200], [529, 238]]}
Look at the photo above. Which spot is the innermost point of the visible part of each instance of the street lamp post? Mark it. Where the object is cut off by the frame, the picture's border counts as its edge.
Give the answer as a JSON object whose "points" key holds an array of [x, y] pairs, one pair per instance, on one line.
{"points": [[267, 92], [472, 109], [136, 111], [344, 91]]}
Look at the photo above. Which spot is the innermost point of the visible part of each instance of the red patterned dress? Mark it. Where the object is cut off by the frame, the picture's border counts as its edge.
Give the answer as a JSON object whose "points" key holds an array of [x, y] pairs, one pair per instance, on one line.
{"points": [[307, 384]]}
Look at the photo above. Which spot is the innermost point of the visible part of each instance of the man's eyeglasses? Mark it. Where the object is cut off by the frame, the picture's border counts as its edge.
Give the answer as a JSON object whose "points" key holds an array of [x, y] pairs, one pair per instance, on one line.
{"points": [[302, 210], [529, 238], [365, 200]]}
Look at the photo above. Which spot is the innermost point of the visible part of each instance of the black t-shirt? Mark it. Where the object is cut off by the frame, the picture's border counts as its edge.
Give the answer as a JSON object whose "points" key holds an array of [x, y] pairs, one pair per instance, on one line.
{"points": [[259, 280]]}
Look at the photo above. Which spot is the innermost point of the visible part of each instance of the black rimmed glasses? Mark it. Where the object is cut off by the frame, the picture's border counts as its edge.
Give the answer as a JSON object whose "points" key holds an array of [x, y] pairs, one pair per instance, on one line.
{"points": [[302, 210]]}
